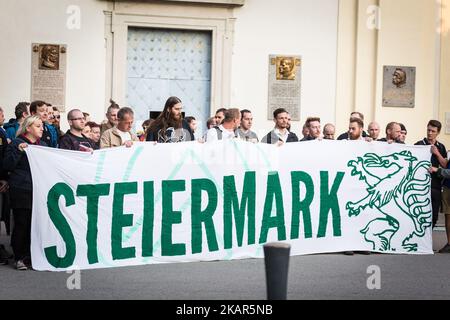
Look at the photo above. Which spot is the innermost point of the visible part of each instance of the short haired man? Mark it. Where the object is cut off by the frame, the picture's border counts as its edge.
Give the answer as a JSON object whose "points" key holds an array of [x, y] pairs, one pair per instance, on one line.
{"points": [[280, 134], [121, 134], [244, 131], [403, 133], [438, 159], [50, 135], [329, 131], [111, 116], [305, 131], [374, 130], [21, 112], [95, 134], [192, 123], [226, 130], [220, 115], [354, 114], [393, 131], [74, 139], [355, 129], [313, 124]]}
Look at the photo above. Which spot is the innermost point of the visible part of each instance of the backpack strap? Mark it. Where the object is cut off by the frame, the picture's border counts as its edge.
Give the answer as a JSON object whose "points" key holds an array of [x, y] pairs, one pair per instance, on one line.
{"points": [[219, 133]]}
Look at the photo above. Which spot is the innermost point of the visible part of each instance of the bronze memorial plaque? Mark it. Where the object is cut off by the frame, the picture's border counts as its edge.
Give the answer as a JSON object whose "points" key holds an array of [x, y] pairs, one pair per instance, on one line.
{"points": [[48, 74], [399, 86], [284, 85]]}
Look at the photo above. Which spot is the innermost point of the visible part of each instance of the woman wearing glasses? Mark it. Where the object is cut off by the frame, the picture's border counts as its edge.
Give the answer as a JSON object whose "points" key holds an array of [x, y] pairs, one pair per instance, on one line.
{"points": [[20, 184]]}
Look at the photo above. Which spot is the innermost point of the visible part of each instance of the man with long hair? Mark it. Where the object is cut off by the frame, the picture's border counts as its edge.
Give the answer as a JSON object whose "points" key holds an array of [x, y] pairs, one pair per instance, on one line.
{"points": [[170, 126]]}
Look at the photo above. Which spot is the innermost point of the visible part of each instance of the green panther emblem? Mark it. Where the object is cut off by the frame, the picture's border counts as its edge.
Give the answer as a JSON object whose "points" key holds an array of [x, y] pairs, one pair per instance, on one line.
{"points": [[396, 185]]}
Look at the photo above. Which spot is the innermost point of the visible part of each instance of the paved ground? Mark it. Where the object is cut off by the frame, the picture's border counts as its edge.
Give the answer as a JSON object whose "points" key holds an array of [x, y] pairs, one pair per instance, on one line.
{"points": [[330, 276]]}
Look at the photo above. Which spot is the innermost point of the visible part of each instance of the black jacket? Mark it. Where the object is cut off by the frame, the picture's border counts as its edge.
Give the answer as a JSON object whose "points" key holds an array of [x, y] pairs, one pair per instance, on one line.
{"points": [[72, 142], [20, 183]]}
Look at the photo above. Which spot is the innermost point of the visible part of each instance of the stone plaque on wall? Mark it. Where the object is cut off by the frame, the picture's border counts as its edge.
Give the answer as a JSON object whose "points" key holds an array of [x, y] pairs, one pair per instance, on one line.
{"points": [[48, 74], [399, 86], [285, 85]]}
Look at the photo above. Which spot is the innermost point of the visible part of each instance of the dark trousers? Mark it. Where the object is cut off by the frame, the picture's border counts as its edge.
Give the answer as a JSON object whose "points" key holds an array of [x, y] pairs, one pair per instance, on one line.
{"points": [[21, 235], [436, 198]]}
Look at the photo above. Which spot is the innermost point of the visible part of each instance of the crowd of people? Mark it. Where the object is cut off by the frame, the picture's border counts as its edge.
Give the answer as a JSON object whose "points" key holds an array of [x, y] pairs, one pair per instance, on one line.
{"points": [[38, 123]]}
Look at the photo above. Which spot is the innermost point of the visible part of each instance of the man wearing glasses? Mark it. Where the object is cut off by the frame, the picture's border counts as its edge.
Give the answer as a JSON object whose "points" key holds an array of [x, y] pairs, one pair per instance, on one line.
{"points": [[74, 138]]}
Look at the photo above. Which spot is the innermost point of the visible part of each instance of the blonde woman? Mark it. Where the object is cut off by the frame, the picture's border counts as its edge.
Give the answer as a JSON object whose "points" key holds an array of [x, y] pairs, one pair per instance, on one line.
{"points": [[16, 162]]}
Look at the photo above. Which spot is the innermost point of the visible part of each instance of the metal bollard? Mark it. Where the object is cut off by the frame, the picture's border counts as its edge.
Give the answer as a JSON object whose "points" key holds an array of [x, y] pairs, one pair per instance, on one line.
{"points": [[276, 256]]}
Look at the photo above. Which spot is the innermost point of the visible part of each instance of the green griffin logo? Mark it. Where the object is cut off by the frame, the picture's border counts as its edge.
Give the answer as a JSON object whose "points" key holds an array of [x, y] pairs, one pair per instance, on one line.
{"points": [[396, 185]]}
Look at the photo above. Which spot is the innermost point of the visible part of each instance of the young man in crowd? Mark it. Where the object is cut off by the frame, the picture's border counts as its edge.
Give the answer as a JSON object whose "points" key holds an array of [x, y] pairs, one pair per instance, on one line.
{"points": [[355, 114], [220, 115], [329, 131], [403, 133], [438, 159], [21, 112], [280, 134], [374, 130], [355, 129], [111, 116], [313, 124], [121, 134], [49, 136], [95, 134], [74, 139], [244, 131], [226, 130]]}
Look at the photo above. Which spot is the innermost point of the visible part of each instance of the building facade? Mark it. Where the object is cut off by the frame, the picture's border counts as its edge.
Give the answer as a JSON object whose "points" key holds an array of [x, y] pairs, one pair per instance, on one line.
{"points": [[215, 53]]}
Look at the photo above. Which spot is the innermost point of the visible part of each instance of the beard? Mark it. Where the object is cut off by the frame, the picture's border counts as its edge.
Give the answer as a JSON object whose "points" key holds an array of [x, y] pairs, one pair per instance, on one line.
{"points": [[175, 121]]}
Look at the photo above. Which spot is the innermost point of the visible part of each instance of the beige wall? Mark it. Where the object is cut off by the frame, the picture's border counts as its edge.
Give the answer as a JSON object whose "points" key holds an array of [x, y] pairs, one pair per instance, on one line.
{"points": [[285, 27], [407, 37], [23, 22]]}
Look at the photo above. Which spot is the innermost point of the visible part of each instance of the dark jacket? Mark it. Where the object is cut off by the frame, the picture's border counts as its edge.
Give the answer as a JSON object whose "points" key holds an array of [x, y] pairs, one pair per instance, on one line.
{"points": [[20, 183], [436, 181], [71, 142], [3, 146], [272, 138], [50, 136], [5, 208]]}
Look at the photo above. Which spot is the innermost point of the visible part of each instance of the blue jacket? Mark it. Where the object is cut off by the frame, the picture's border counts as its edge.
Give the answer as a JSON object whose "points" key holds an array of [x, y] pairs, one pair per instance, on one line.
{"points": [[11, 129]]}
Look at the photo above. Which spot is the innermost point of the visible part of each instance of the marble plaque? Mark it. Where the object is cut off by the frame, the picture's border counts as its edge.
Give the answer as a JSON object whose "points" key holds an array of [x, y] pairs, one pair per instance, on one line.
{"points": [[399, 86], [285, 85], [48, 74]]}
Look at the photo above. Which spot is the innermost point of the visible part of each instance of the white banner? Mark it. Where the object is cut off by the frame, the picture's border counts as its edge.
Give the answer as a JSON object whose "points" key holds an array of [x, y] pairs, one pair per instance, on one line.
{"points": [[220, 201]]}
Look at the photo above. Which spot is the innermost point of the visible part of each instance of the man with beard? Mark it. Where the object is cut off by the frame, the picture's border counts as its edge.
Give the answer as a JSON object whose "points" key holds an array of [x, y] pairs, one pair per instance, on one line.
{"points": [[170, 127], [355, 129], [313, 124], [393, 132], [280, 134]]}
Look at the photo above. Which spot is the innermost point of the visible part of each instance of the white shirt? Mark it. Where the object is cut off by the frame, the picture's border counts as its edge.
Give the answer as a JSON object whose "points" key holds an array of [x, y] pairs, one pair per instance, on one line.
{"points": [[281, 135], [211, 134], [125, 136]]}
